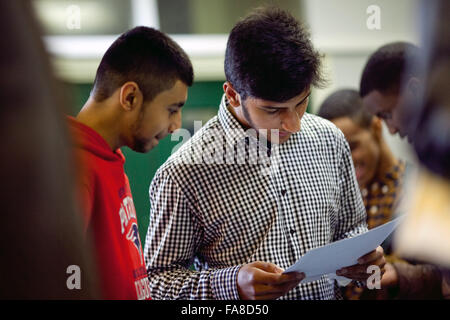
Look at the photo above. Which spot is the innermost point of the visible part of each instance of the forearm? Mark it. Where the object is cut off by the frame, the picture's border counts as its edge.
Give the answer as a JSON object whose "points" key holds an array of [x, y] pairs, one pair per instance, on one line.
{"points": [[422, 281]]}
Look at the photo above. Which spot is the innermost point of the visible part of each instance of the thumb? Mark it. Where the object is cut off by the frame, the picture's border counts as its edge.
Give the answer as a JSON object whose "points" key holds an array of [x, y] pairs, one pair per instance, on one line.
{"points": [[268, 267]]}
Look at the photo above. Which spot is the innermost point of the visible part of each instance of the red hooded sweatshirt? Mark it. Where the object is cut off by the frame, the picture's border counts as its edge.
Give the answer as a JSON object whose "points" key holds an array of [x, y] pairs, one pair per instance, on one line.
{"points": [[110, 216]]}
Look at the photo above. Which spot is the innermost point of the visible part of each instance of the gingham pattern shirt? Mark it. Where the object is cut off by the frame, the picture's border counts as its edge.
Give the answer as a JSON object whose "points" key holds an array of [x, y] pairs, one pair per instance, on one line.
{"points": [[218, 216]]}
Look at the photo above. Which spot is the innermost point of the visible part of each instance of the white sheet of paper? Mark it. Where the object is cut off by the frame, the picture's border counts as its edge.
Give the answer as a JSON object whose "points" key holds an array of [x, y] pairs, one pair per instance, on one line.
{"points": [[343, 253]]}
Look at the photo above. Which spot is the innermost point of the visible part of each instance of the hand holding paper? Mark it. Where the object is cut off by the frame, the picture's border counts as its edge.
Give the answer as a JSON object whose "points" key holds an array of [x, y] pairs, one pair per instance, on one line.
{"points": [[328, 259], [359, 271], [265, 281]]}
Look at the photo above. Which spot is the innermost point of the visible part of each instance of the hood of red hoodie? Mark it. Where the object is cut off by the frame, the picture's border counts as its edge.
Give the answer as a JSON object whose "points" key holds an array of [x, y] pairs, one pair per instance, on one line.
{"points": [[89, 140]]}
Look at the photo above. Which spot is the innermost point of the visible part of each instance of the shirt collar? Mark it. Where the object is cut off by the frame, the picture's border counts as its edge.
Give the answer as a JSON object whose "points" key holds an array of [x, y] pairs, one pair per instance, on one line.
{"points": [[233, 129]]}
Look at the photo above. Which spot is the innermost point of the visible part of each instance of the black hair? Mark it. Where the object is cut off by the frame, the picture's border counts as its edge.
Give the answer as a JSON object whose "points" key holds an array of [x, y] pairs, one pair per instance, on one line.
{"points": [[269, 56], [386, 67], [146, 56], [345, 103]]}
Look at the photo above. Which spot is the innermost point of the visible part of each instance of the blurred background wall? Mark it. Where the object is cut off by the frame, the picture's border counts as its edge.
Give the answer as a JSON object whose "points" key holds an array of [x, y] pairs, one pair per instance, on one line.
{"points": [[78, 32]]}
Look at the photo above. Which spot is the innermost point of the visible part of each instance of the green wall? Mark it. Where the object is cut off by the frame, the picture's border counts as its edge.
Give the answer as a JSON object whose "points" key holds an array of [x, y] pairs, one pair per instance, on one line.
{"points": [[203, 102]]}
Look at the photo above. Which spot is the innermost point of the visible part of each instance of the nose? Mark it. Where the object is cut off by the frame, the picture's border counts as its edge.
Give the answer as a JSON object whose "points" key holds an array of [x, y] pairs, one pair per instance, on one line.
{"points": [[175, 123], [291, 122]]}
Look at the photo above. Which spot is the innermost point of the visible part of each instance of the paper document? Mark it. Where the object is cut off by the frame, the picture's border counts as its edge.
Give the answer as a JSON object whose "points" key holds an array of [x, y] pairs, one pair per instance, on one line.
{"points": [[343, 253]]}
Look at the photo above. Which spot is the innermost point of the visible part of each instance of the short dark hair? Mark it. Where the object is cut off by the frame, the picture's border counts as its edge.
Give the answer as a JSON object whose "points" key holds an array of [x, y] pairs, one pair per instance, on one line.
{"points": [[386, 67], [146, 56], [345, 103], [269, 55]]}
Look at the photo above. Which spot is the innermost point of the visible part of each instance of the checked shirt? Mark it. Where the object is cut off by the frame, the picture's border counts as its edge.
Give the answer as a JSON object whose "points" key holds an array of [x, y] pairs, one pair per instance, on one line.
{"points": [[225, 199]]}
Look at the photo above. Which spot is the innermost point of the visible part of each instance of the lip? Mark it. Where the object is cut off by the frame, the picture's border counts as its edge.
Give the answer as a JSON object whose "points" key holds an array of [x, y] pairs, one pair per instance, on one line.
{"points": [[283, 133]]}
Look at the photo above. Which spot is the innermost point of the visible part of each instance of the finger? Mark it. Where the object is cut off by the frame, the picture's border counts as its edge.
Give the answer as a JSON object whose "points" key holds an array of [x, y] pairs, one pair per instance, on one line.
{"points": [[361, 273], [379, 261], [288, 286], [291, 277], [264, 290], [373, 255], [285, 283], [264, 277], [278, 290], [267, 266], [358, 270]]}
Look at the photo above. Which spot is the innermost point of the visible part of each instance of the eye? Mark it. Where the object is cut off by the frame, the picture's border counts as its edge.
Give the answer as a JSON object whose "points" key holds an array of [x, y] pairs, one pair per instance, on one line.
{"points": [[272, 111], [173, 111]]}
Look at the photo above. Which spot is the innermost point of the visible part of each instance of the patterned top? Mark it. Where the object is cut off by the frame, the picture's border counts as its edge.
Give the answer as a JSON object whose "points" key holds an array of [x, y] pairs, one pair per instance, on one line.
{"points": [[380, 199], [225, 199]]}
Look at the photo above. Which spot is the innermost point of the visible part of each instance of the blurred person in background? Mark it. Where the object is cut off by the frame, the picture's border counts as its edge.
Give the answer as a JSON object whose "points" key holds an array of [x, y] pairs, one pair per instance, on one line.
{"points": [[407, 87], [139, 90], [425, 233], [381, 84], [44, 254], [379, 173]]}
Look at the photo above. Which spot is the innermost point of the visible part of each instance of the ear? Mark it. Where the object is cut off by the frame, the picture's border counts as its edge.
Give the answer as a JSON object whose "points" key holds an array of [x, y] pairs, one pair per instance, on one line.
{"points": [[130, 96], [413, 87], [376, 128], [233, 97]]}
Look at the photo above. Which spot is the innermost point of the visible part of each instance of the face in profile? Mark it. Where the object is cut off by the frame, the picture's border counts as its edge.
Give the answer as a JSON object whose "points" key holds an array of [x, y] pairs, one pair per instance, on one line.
{"points": [[365, 147], [158, 118], [394, 106], [387, 106]]}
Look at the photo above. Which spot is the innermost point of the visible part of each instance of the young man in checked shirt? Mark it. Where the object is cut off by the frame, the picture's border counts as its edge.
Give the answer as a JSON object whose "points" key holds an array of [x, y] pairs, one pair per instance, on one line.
{"points": [[260, 184]]}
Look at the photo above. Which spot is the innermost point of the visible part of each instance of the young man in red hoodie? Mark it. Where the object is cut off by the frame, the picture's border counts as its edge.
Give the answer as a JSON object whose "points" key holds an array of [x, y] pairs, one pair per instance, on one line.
{"points": [[139, 89]]}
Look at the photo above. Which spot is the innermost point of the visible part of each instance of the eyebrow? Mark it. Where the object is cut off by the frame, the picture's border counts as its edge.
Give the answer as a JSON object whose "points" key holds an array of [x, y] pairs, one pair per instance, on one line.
{"points": [[275, 107], [177, 104]]}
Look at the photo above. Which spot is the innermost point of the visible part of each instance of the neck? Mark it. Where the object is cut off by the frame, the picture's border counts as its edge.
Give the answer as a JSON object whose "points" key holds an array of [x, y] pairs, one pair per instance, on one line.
{"points": [[100, 117]]}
